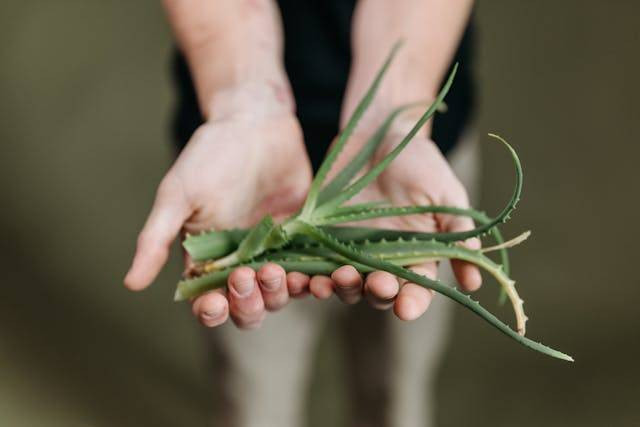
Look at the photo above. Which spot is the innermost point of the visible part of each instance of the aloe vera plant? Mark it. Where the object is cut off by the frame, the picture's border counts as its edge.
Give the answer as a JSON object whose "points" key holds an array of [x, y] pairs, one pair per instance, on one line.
{"points": [[311, 242]]}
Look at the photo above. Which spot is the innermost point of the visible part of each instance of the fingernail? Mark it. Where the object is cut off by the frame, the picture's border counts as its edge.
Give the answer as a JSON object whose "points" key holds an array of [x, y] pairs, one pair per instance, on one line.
{"points": [[210, 315], [272, 284], [244, 287]]}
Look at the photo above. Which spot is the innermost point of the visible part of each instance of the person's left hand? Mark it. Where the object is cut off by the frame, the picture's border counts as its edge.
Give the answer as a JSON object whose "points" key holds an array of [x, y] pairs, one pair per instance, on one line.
{"points": [[420, 175]]}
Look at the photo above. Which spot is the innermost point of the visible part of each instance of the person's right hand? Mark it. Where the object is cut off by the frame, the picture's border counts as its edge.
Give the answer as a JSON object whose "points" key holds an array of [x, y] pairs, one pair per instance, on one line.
{"points": [[245, 162]]}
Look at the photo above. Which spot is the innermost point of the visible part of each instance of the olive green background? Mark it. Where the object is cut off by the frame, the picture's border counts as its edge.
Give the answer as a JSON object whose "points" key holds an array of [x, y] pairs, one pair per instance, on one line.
{"points": [[85, 100]]}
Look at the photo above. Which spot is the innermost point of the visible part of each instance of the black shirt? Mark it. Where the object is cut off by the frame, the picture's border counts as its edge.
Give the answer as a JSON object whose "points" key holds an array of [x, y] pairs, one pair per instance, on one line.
{"points": [[317, 58]]}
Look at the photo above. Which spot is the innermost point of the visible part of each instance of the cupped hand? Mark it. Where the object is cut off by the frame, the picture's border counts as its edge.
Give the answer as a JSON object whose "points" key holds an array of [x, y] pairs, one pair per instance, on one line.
{"points": [[233, 171], [420, 175]]}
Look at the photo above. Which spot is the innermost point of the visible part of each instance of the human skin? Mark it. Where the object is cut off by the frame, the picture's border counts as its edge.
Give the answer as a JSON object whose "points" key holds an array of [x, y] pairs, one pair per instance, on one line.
{"points": [[248, 158]]}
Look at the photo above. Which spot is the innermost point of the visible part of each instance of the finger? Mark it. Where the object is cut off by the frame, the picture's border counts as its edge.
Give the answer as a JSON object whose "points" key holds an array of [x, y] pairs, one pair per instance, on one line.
{"points": [[467, 274], [380, 289], [211, 308], [298, 284], [321, 287], [167, 216], [413, 300], [348, 284], [273, 284], [245, 299]]}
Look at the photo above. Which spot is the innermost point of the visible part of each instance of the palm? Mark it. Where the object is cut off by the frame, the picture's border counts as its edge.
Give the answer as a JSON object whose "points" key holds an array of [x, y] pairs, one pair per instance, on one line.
{"points": [[419, 176], [233, 174]]}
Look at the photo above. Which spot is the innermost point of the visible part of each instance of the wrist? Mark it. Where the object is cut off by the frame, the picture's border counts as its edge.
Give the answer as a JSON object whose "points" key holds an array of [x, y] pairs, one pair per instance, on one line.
{"points": [[409, 78], [411, 110], [228, 45], [404, 84], [407, 119], [430, 31], [251, 100]]}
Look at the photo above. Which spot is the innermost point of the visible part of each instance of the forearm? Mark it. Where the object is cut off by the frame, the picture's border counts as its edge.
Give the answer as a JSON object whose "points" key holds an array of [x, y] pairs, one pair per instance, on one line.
{"points": [[431, 31], [229, 45]]}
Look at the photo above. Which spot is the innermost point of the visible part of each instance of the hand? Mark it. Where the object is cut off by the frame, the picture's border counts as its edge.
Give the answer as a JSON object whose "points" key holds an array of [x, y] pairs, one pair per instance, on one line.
{"points": [[234, 170], [419, 175]]}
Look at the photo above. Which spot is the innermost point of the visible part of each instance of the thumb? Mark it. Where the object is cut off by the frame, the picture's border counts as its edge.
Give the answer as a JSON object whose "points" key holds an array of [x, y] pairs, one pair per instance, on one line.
{"points": [[169, 212]]}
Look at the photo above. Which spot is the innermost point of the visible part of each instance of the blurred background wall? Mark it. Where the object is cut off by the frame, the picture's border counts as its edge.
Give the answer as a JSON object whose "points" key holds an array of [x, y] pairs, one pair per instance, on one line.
{"points": [[85, 99]]}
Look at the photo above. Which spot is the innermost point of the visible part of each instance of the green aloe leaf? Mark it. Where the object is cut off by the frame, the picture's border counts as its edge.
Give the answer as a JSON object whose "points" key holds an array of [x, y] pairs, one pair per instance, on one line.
{"points": [[454, 294], [360, 160], [213, 244], [309, 241], [360, 184], [337, 147]]}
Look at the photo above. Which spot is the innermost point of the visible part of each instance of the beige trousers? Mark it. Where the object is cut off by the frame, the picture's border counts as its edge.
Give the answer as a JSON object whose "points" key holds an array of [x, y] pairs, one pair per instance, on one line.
{"points": [[264, 374]]}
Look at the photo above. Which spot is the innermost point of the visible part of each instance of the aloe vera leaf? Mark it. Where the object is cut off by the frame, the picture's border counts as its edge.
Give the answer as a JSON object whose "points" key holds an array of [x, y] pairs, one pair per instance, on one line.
{"points": [[345, 214], [213, 244], [502, 247], [359, 234], [336, 217], [217, 243], [436, 285], [394, 211], [422, 251], [508, 244], [360, 160], [362, 233], [503, 216], [412, 252], [360, 207], [345, 176], [265, 235], [330, 205], [337, 147], [308, 259]]}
